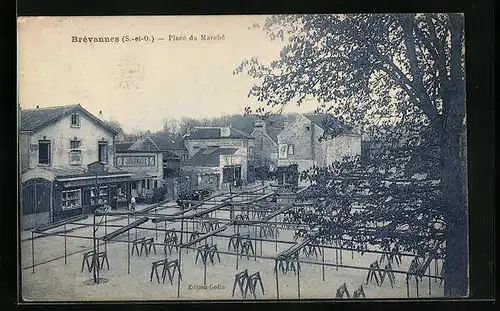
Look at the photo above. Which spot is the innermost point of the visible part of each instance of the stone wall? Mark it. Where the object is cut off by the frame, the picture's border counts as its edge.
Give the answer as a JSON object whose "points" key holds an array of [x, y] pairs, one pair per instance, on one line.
{"points": [[299, 134], [265, 149]]}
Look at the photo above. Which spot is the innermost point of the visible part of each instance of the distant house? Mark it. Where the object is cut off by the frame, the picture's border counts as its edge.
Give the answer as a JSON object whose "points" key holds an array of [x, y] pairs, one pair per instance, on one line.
{"points": [[171, 145], [266, 143], [67, 164], [199, 138], [299, 143], [144, 160], [215, 167]]}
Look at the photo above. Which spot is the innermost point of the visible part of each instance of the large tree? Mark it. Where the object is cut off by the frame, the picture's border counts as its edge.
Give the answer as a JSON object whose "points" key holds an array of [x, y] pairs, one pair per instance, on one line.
{"points": [[399, 77]]}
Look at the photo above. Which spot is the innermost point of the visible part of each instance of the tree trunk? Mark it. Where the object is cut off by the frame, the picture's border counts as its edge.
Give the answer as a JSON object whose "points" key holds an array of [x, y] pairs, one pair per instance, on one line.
{"points": [[455, 213], [453, 174]]}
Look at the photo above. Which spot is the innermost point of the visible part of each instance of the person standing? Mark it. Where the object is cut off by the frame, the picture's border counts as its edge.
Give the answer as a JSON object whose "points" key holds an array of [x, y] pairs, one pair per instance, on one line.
{"points": [[132, 204]]}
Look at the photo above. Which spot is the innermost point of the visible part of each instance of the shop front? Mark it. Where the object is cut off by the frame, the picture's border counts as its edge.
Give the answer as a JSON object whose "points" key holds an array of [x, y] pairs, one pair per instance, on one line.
{"points": [[231, 176], [145, 162], [81, 194], [51, 194], [144, 186]]}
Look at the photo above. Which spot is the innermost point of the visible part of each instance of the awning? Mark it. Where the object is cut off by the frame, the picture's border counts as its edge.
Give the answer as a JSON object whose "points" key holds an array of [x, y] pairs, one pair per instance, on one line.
{"points": [[140, 176], [86, 180]]}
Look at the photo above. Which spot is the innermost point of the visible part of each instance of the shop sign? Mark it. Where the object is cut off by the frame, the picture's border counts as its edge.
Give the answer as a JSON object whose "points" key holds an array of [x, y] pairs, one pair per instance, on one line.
{"points": [[128, 161]]}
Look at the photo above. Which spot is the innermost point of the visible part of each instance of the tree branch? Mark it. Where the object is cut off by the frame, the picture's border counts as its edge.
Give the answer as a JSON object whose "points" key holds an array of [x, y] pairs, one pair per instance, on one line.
{"points": [[408, 24]]}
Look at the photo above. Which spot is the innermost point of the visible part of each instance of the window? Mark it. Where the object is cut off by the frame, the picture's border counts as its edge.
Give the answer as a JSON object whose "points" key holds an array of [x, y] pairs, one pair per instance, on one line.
{"points": [[75, 120], [75, 154], [291, 149], [103, 152], [282, 151], [308, 127], [101, 196], [44, 152], [71, 199], [148, 186], [156, 183], [250, 152], [134, 186], [262, 143], [143, 184]]}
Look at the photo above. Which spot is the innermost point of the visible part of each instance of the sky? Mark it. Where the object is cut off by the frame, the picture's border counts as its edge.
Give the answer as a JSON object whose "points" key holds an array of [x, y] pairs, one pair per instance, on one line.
{"points": [[139, 84]]}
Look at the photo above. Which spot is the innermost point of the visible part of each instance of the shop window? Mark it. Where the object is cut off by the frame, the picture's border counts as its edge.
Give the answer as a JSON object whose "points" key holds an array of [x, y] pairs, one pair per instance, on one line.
{"points": [[71, 199], [75, 154], [75, 120], [103, 152], [291, 149], [98, 198], [44, 152]]}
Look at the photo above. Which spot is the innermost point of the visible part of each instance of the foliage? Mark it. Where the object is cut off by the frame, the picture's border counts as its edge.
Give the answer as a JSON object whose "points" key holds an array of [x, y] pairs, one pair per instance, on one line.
{"points": [[399, 78], [242, 122], [114, 125]]}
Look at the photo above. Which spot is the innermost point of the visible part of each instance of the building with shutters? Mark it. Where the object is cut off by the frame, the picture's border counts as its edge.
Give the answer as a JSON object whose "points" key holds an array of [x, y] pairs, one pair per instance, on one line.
{"points": [[67, 167]]}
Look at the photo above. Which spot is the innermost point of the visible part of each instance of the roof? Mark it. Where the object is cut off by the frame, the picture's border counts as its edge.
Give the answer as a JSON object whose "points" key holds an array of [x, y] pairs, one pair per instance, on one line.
{"points": [[144, 144], [35, 119], [140, 175], [199, 132], [78, 171], [273, 132], [170, 155], [209, 156], [270, 132], [123, 146], [325, 119], [167, 143]]}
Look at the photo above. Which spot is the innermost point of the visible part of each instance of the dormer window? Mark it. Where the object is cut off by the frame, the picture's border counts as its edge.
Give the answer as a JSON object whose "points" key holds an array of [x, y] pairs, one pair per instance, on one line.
{"points": [[75, 120], [291, 149]]}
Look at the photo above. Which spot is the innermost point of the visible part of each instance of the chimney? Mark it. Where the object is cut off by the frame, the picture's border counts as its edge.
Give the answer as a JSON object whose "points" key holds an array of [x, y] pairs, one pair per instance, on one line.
{"points": [[225, 132], [260, 124], [37, 106], [100, 114], [120, 138]]}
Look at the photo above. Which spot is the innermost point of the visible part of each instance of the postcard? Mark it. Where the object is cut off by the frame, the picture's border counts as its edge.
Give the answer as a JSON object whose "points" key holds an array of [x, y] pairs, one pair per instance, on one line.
{"points": [[242, 157]]}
